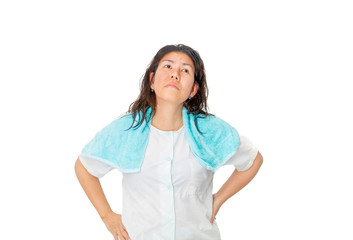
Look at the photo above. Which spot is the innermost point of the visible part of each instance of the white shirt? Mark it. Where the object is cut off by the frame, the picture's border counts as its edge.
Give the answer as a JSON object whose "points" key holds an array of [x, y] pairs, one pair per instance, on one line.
{"points": [[171, 197]]}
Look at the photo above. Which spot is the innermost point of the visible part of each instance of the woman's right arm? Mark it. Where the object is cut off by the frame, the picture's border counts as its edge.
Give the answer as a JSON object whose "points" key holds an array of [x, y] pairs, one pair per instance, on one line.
{"points": [[93, 189]]}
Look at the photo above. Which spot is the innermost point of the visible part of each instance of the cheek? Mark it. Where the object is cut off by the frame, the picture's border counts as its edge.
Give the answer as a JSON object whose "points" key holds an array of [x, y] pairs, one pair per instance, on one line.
{"points": [[160, 77], [188, 77]]}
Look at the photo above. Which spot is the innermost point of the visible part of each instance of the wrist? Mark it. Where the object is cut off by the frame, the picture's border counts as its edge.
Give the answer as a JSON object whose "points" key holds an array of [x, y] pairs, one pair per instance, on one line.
{"points": [[219, 197], [105, 213]]}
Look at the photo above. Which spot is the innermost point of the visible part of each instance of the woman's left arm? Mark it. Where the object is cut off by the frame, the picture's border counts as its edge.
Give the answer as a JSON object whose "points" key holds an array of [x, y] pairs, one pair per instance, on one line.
{"points": [[234, 184]]}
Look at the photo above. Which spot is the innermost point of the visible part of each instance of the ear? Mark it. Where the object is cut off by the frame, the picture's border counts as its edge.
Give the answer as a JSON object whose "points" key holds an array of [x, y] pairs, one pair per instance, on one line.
{"points": [[195, 88], [151, 78]]}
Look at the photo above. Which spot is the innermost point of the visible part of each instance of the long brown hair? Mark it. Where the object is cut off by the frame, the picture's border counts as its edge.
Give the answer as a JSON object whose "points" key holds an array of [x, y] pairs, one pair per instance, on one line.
{"points": [[196, 105]]}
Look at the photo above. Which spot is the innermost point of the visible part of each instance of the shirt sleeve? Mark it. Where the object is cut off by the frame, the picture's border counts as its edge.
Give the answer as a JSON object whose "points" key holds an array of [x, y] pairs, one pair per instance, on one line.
{"points": [[95, 167], [245, 155]]}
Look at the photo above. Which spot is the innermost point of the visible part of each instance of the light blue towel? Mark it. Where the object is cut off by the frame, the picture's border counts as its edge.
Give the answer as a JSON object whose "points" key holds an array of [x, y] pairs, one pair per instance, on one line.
{"points": [[125, 150]]}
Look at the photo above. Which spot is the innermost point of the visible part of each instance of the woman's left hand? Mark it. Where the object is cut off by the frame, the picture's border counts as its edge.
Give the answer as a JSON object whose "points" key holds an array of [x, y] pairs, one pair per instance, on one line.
{"points": [[216, 206]]}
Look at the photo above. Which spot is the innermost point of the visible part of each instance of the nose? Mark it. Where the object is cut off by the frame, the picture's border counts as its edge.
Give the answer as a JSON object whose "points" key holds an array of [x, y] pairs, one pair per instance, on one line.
{"points": [[175, 75]]}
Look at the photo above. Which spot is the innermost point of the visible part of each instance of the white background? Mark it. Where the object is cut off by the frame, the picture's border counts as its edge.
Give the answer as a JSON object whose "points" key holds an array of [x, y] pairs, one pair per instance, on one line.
{"points": [[278, 71]]}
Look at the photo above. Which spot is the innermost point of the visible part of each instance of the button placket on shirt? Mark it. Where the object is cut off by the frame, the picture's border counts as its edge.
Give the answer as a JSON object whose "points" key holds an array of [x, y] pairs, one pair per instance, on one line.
{"points": [[169, 186], [170, 158]]}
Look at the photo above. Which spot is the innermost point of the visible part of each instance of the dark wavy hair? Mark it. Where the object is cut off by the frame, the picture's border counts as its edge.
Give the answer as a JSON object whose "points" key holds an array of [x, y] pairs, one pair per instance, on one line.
{"points": [[196, 105]]}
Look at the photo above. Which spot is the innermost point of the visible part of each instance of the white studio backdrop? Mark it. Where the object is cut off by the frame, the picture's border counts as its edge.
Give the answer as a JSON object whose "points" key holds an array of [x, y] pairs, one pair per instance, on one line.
{"points": [[278, 71]]}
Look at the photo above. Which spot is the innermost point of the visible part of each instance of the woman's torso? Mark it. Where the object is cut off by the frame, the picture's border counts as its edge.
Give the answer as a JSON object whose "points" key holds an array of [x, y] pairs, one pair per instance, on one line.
{"points": [[171, 197]]}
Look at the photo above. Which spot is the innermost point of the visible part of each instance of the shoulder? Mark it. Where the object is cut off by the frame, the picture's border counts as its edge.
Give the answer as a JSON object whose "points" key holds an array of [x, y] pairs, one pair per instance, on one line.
{"points": [[209, 123], [117, 125]]}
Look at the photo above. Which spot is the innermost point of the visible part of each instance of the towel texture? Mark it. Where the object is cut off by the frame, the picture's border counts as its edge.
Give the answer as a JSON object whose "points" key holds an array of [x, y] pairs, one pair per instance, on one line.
{"points": [[125, 150]]}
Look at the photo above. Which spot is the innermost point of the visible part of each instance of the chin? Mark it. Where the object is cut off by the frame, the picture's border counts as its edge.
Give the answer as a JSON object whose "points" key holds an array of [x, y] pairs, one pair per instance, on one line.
{"points": [[172, 99]]}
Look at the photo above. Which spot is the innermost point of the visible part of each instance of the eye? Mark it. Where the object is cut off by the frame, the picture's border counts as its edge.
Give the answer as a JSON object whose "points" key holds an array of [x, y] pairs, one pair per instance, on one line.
{"points": [[167, 66], [186, 70]]}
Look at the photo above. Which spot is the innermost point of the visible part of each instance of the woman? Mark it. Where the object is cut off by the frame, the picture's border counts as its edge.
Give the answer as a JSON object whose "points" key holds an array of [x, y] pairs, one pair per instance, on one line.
{"points": [[168, 159]]}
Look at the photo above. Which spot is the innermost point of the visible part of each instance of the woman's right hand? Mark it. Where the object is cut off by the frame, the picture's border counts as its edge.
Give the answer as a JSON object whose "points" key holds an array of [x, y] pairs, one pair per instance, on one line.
{"points": [[115, 225]]}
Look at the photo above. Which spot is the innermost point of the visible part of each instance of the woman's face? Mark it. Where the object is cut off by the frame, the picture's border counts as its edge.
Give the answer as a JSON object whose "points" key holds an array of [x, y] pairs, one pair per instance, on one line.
{"points": [[173, 80]]}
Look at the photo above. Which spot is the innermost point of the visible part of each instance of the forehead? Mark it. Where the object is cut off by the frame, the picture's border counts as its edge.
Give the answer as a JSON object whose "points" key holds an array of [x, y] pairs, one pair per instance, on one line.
{"points": [[178, 57]]}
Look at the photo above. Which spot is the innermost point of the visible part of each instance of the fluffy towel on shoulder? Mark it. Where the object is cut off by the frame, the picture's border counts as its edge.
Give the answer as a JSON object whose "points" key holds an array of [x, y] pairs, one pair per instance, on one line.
{"points": [[125, 150]]}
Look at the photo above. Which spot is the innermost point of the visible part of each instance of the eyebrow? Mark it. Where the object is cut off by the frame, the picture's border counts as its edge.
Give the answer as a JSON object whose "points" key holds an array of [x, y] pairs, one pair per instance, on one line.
{"points": [[168, 60]]}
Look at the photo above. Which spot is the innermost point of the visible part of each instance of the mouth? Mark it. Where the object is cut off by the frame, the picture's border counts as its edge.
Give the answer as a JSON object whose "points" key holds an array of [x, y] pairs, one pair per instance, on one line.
{"points": [[172, 85]]}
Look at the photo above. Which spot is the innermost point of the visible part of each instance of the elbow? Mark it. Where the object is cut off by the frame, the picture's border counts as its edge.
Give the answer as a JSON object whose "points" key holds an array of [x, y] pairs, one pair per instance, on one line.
{"points": [[259, 158], [78, 166]]}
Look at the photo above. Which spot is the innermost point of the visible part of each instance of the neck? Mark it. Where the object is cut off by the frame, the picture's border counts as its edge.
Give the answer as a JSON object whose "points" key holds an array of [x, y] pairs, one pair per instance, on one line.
{"points": [[168, 118]]}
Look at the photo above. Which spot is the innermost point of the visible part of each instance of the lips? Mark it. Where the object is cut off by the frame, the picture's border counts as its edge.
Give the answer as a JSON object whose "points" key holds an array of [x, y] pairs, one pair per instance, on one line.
{"points": [[172, 85]]}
